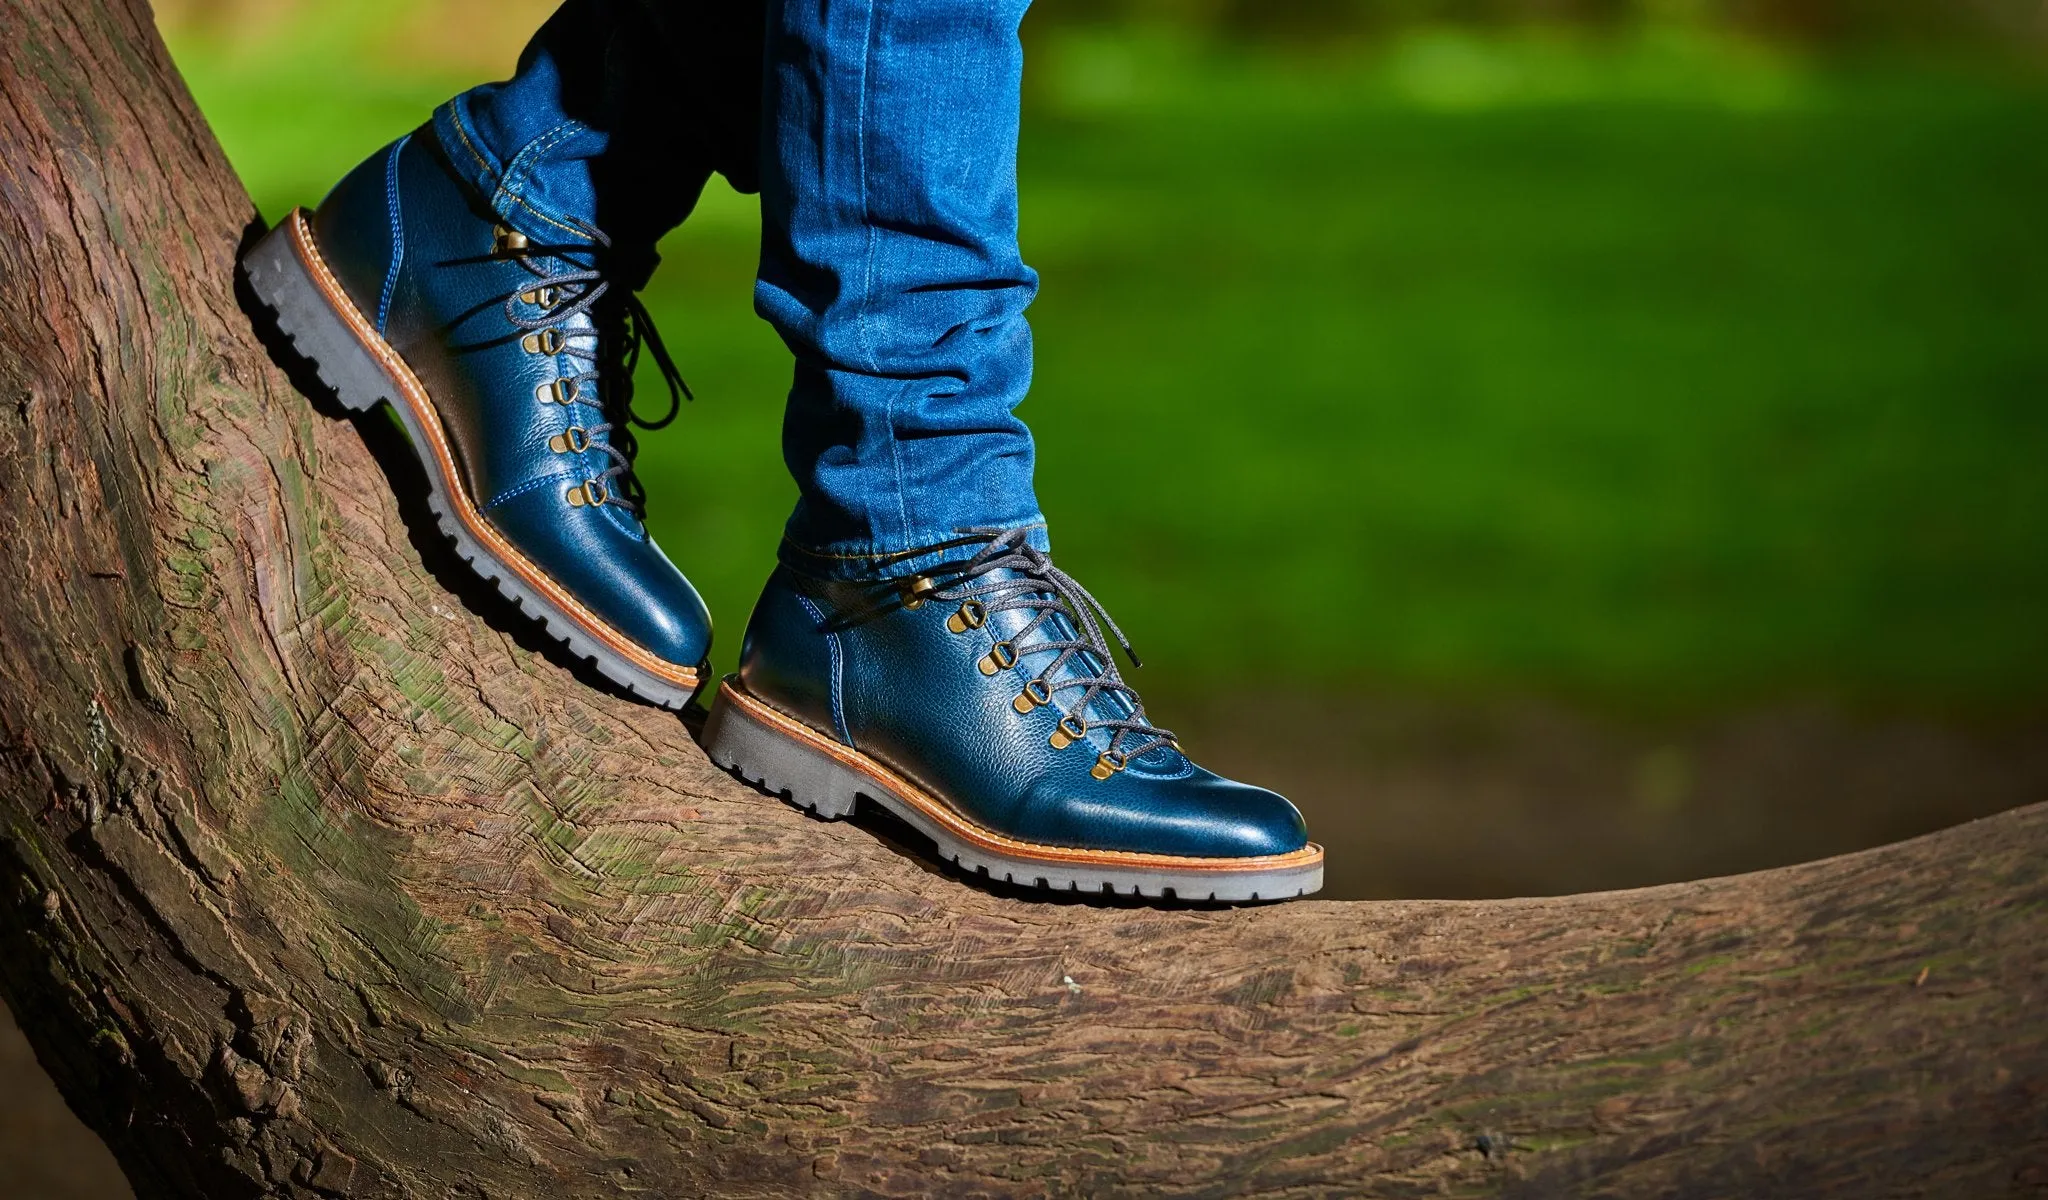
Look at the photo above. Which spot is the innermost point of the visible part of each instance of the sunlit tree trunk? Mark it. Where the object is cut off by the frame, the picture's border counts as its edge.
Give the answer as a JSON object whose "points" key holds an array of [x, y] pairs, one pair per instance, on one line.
{"points": [[315, 880]]}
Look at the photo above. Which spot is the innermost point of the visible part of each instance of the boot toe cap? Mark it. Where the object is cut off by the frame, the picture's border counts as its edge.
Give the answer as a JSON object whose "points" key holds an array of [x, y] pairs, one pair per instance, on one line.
{"points": [[1203, 816], [619, 575]]}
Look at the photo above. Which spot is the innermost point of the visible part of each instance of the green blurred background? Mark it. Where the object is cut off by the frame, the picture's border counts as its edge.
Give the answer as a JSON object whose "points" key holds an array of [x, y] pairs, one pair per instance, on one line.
{"points": [[1492, 420]]}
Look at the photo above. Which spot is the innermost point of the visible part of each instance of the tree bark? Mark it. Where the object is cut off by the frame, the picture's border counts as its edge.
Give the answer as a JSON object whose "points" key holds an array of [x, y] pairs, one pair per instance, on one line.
{"points": [[316, 879]]}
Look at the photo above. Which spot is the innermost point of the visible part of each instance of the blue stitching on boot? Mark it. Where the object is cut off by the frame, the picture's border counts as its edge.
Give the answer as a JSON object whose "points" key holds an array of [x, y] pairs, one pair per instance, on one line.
{"points": [[397, 234], [623, 521], [838, 669], [513, 493]]}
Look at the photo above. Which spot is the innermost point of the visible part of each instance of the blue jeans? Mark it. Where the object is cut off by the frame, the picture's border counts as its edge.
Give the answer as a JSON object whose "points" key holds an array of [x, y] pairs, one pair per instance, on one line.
{"points": [[882, 136]]}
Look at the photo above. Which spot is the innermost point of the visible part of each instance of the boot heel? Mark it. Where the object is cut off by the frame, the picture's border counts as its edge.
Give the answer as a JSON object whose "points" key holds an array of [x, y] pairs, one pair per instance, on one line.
{"points": [[279, 277], [808, 778]]}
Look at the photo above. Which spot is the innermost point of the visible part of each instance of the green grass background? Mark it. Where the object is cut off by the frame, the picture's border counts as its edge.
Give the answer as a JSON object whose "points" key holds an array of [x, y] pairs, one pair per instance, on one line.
{"points": [[1659, 369]]}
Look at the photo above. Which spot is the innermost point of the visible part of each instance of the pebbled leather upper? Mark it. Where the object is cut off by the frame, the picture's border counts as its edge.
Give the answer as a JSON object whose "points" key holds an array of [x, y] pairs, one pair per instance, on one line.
{"points": [[851, 661], [414, 250]]}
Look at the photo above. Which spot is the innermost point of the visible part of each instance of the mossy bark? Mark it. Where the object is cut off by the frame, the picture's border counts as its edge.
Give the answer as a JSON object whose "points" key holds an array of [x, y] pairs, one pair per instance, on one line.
{"points": [[318, 880]]}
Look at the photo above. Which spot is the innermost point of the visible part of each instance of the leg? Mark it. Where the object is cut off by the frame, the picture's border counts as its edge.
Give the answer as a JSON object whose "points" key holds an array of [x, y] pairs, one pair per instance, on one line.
{"points": [[617, 115], [917, 648], [889, 264]]}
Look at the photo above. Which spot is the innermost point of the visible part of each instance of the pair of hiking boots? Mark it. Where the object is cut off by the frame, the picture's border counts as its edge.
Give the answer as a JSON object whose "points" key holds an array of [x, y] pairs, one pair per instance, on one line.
{"points": [[978, 700]]}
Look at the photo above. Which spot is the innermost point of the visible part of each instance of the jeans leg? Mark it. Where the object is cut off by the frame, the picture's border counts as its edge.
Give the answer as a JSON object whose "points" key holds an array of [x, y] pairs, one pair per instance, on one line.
{"points": [[889, 264], [616, 116]]}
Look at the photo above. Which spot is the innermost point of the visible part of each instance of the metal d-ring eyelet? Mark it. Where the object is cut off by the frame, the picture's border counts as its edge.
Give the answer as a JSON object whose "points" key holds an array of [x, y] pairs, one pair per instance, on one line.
{"points": [[1108, 763], [508, 241], [914, 591], [1035, 693], [547, 341], [557, 391], [1001, 657], [589, 492], [1071, 729], [970, 616], [542, 298], [573, 440]]}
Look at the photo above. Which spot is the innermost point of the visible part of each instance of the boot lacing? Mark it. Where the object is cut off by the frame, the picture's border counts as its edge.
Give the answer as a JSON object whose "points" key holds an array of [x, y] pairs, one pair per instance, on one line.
{"points": [[1047, 592], [609, 375]]}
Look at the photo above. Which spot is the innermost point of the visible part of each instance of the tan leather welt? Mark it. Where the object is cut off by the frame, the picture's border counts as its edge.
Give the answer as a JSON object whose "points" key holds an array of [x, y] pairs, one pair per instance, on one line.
{"points": [[465, 509], [988, 839]]}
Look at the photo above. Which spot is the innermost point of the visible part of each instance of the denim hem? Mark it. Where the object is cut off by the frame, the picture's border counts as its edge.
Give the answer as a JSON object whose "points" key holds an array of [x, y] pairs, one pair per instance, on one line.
{"points": [[500, 184], [860, 562]]}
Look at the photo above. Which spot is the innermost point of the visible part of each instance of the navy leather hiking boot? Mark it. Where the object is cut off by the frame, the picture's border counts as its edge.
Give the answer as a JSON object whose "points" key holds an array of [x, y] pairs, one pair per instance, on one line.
{"points": [[505, 344], [981, 704]]}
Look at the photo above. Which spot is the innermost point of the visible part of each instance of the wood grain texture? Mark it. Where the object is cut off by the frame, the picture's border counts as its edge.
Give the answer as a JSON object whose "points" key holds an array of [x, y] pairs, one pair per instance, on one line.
{"points": [[316, 880]]}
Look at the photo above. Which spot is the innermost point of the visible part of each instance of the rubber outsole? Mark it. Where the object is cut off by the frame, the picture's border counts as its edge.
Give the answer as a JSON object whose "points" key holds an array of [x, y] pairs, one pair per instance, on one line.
{"points": [[784, 757], [283, 282]]}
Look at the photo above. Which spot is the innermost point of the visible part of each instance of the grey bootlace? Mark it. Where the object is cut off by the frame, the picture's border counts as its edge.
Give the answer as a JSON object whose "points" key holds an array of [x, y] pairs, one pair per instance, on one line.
{"points": [[580, 289], [1047, 592]]}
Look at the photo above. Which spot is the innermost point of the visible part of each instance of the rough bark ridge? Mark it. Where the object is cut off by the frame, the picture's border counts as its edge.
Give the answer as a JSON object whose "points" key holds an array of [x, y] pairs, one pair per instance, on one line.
{"points": [[312, 882]]}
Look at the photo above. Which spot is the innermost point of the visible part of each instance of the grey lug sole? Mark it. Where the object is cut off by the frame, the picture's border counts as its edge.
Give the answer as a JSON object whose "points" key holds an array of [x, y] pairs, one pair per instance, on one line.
{"points": [[782, 757], [324, 337]]}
